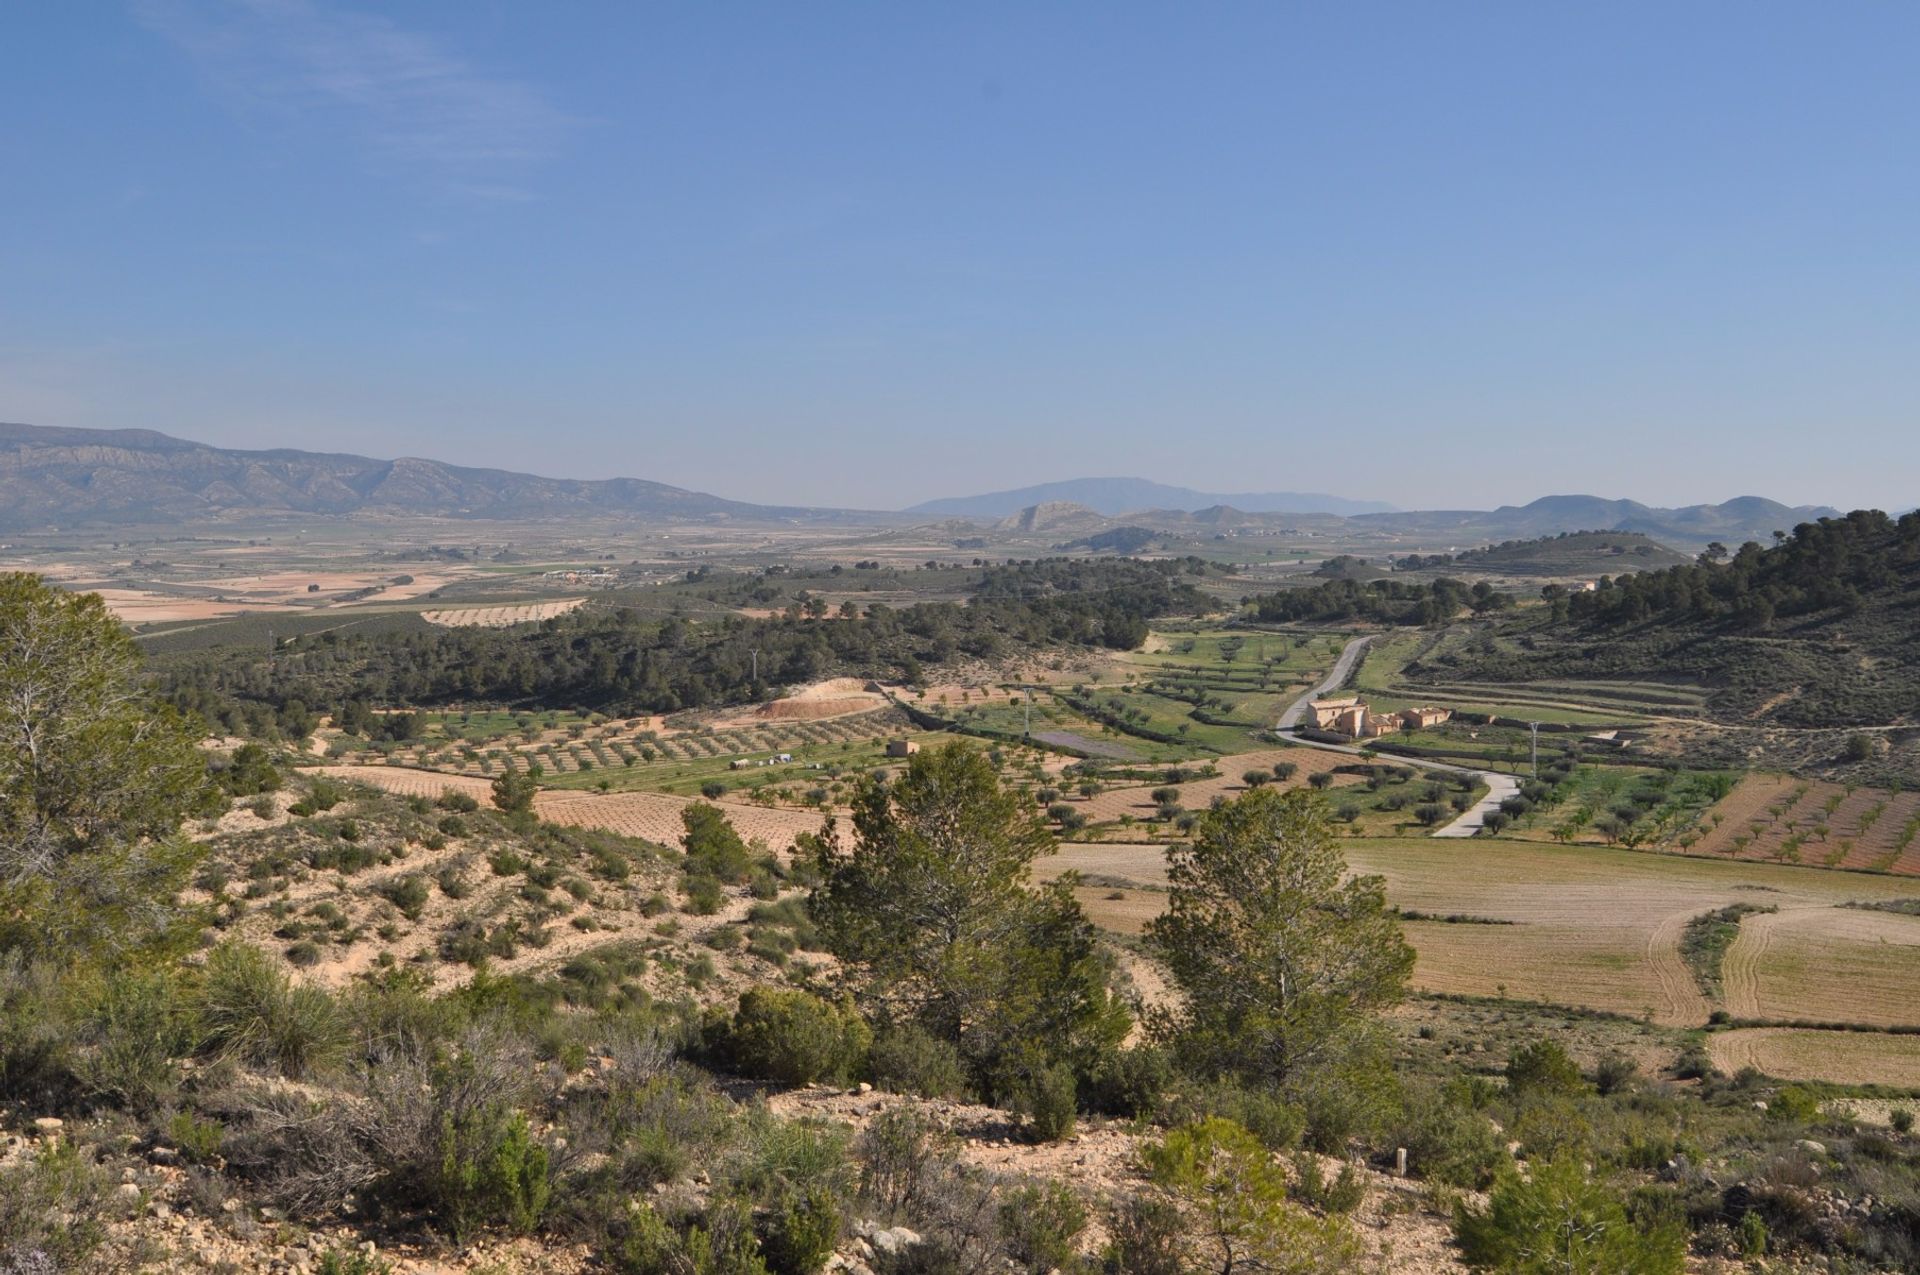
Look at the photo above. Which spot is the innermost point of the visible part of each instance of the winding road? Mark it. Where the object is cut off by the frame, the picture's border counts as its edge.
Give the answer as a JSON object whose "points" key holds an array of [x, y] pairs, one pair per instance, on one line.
{"points": [[1499, 786]]}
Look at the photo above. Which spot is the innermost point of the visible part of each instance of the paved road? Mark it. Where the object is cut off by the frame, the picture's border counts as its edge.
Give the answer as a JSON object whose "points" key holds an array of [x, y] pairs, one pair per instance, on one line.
{"points": [[1499, 786]]}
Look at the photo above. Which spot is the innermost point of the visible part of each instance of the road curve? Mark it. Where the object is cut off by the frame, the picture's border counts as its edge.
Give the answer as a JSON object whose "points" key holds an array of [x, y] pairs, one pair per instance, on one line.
{"points": [[1499, 786]]}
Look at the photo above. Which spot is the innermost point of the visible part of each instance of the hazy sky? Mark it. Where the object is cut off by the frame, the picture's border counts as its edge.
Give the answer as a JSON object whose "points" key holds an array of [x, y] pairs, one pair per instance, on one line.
{"points": [[865, 254]]}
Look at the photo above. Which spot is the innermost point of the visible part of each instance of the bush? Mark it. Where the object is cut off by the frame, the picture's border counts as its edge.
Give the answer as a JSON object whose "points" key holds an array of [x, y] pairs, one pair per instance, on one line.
{"points": [[1039, 1221], [490, 1173], [794, 1038], [1310, 1186], [1543, 1067], [911, 1060], [1048, 1098], [1145, 1237], [409, 893], [1130, 1082], [54, 1210], [1448, 1140], [1615, 1073], [133, 1028], [1800, 1106], [703, 895], [1901, 1118], [251, 1010], [1560, 1220], [801, 1232]]}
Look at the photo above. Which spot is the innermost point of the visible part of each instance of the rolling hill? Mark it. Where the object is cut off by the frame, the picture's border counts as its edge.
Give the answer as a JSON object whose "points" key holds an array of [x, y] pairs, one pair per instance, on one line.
{"points": [[73, 476], [1125, 495], [1734, 522]]}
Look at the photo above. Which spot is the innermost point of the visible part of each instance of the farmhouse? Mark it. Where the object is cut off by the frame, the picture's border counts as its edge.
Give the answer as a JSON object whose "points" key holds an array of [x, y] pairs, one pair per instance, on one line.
{"points": [[1349, 715], [1328, 714], [902, 747]]}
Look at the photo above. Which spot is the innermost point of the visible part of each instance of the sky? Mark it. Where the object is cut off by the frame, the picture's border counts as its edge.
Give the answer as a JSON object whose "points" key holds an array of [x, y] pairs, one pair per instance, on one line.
{"points": [[1443, 255]]}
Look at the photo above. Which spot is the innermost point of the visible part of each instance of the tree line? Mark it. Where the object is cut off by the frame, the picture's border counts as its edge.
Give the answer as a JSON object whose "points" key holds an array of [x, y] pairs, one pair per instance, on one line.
{"points": [[618, 661]]}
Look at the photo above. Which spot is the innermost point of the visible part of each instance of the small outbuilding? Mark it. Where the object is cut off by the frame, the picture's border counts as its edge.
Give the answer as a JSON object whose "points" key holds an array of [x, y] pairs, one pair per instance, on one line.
{"points": [[902, 747]]}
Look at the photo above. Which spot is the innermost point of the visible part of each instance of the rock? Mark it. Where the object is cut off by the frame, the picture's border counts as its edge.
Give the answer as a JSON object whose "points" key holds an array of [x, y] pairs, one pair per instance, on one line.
{"points": [[896, 1240], [163, 1155], [863, 1087], [48, 1126], [1811, 1147], [128, 1191], [1759, 1104]]}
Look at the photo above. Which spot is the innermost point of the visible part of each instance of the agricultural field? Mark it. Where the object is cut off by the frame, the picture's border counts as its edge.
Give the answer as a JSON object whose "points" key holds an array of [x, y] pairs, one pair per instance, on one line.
{"points": [[1824, 964], [1590, 928], [1594, 704], [501, 615], [1792, 1053], [1776, 818]]}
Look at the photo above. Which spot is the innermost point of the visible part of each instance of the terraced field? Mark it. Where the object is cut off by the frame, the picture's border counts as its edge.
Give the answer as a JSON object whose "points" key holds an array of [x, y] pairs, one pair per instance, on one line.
{"points": [[651, 816], [1780, 819]]}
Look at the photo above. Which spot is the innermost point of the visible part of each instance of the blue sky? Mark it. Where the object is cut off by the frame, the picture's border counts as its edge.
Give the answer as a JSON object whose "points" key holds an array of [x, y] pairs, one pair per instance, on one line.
{"points": [[864, 254]]}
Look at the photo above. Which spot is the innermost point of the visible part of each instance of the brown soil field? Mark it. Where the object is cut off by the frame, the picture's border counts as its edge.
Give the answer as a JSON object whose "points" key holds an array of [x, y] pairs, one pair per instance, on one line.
{"points": [[1591, 927], [1198, 794], [499, 617], [1790, 1053], [1826, 964], [1865, 829], [137, 606], [650, 816]]}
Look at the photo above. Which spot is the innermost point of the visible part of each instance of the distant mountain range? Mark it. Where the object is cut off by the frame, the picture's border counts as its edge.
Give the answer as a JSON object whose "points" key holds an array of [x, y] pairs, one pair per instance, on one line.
{"points": [[1735, 522], [69, 476], [1124, 495]]}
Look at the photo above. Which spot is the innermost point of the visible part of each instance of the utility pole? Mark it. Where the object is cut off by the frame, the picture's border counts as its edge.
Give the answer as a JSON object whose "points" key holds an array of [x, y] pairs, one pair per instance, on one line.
{"points": [[756, 666], [1536, 748], [1027, 732]]}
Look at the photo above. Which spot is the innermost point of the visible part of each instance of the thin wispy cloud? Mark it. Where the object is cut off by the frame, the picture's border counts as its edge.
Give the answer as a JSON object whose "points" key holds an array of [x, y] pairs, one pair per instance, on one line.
{"points": [[403, 94]]}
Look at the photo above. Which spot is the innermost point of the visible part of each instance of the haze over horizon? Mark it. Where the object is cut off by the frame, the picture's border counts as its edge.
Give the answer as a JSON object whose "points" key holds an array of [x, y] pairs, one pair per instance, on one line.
{"points": [[872, 258]]}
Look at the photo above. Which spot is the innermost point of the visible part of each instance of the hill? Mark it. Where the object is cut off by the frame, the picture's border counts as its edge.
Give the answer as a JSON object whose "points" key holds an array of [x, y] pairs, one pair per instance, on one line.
{"points": [[69, 476], [1126, 495], [1817, 631], [1733, 522], [1572, 553]]}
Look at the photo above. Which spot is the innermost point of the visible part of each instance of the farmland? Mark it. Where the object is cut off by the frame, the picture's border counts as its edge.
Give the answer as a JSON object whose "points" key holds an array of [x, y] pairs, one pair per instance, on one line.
{"points": [[1587, 927]]}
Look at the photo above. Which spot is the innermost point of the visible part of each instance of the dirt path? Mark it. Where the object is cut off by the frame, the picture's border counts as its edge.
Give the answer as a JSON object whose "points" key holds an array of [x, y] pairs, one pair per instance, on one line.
{"points": [[1683, 1003]]}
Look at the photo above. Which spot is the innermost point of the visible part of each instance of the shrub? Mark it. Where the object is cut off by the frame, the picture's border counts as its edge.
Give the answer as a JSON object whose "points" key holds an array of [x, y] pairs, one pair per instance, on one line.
{"points": [[703, 895], [490, 1172], [1130, 1082], [1311, 1187], [1048, 1098], [794, 1037], [1560, 1220], [409, 893], [54, 1210], [1448, 1140], [251, 1010], [911, 1060], [198, 1139], [1800, 1106], [1234, 1198], [801, 1233], [1145, 1237], [1615, 1073], [1901, 1118], [1543, 1067], [903, 1158], [133, 1029], [1039, 1221]]}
